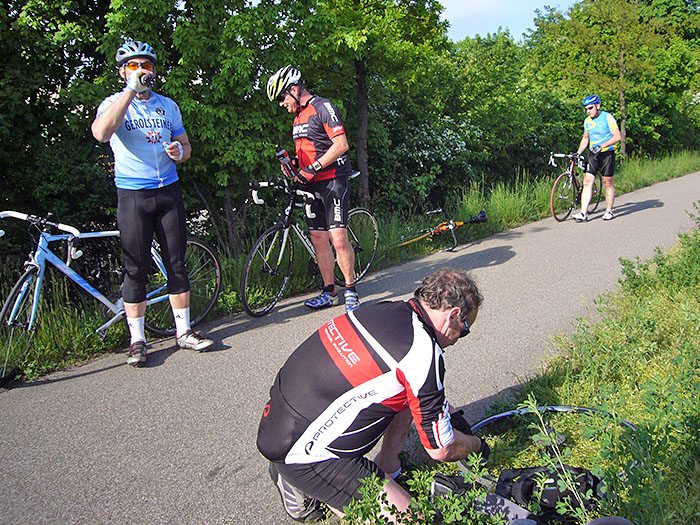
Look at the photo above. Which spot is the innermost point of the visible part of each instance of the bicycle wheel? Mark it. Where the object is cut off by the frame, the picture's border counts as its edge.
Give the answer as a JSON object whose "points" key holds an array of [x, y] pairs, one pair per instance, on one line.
{"points": [[267, 271], [596, 194], [204, 272], [363, 235], [15, 334], [563, 198]]}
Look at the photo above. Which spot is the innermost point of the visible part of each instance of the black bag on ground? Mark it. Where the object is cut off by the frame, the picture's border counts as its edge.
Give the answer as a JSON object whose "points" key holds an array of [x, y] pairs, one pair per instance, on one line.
{"points": [[521, 486]]}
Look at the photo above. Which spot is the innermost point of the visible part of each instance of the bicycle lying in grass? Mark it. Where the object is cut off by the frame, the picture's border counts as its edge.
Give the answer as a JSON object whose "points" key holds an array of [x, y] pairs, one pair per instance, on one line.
{"points": [[269, 265], [448, 225], [20, 314], [566, 192]]}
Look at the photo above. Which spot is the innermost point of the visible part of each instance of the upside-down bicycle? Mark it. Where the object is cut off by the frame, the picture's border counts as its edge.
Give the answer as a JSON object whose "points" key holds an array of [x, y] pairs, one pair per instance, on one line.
{"points": [[566, 192], [269, 265], [20, 314], [448, 225]]}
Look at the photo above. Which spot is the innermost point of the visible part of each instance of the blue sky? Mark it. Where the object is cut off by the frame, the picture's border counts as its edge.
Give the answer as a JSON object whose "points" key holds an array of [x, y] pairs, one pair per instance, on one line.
{"points": [[472, 17]]}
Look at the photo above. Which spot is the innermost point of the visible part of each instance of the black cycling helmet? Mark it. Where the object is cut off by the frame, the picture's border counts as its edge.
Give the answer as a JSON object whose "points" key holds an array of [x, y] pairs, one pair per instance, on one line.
{"points": [[591, 99], [282, 80], [133, 49]]}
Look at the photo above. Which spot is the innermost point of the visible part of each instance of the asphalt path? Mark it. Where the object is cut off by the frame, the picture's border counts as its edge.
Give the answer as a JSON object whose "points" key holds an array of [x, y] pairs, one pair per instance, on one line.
{"points": [[174, 442]]}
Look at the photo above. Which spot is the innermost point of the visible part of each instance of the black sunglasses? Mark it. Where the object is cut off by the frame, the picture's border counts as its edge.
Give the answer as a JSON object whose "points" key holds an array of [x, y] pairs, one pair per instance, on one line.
{"points": [[590, 108], [282, 96]]}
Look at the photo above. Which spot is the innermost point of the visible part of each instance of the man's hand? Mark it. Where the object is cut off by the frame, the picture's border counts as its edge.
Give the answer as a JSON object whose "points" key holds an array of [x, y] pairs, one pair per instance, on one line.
{"points": [[307, 174], [173, 149], [596, 149], [134, 82]]}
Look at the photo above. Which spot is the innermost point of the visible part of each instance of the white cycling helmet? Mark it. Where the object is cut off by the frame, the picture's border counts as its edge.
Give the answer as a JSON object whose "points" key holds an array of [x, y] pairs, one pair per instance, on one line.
{"points": [[281, 81], [133, 49]]}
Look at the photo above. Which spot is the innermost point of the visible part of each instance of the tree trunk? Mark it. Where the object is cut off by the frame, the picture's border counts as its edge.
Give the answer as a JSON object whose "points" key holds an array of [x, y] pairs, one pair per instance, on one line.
{"points": [[623, 109], [362, 126]]}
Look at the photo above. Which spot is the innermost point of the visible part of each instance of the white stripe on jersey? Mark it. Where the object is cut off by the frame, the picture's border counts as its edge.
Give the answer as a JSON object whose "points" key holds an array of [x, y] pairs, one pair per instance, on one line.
{"points": [[378, 348], [312, 445]]}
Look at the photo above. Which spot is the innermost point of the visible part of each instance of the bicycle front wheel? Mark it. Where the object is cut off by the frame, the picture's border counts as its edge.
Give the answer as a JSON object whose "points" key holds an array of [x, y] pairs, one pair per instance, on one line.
{"points": [[15, 332], [596, 194], [363, 235], [204, 272], [267, 271], [563, 197]]}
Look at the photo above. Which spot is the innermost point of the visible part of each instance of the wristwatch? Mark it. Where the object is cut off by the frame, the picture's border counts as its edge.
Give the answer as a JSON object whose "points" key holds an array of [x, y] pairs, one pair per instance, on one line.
{"points": [[317, 166]]}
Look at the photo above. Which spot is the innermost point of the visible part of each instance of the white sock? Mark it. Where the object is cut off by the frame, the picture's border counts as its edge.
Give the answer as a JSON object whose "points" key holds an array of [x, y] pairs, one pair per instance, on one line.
{"points": [[182, 320], [136, 329]]}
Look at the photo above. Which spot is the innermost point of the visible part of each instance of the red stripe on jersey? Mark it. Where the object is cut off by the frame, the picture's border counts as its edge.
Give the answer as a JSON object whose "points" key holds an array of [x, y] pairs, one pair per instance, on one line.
{"points": [[348, 351], [414, 404], [334, 131], [397, 402]]}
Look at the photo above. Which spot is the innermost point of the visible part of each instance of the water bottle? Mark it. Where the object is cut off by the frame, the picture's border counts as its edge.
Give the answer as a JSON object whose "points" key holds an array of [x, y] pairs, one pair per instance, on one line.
{"points": [[286, 162], [148, 80]]}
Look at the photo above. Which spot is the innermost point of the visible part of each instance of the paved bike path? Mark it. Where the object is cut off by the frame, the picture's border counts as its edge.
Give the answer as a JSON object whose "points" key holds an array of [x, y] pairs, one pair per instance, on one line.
{"points": [[174, 443]]}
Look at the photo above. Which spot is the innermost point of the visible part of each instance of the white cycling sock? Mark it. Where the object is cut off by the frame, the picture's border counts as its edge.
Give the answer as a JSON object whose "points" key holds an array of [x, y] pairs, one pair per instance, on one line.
{"points": [[182, 320], [136, 328]]}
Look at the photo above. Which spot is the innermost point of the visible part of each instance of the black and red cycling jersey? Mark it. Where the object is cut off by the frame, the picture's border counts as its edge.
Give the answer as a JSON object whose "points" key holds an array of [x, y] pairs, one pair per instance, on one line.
{"points": [[340, 389], [315, 127]]}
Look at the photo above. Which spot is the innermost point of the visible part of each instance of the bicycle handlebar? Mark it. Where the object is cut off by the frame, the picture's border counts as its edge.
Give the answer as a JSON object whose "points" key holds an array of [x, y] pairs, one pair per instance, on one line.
{"points": [[307, 196], [39, 220]]}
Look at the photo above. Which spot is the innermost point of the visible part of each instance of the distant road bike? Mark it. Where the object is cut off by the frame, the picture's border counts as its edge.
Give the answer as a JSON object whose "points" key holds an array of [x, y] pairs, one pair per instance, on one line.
{"points": [[566, 192], [269, 265], [19, 317], [444, 226]]}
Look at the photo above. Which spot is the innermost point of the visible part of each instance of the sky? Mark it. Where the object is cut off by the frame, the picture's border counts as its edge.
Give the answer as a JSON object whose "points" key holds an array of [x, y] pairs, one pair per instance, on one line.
{"points": [[472, 17]]}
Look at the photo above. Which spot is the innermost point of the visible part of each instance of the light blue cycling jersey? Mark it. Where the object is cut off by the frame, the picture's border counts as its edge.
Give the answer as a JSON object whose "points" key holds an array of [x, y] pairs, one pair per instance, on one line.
{"points": [[600, 129], [140, 161]]}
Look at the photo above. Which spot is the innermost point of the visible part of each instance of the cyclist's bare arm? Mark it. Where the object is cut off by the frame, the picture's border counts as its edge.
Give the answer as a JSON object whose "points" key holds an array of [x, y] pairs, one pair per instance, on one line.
{"points": [[104, 126], [584, 143], [460, 447], [340, 146]]}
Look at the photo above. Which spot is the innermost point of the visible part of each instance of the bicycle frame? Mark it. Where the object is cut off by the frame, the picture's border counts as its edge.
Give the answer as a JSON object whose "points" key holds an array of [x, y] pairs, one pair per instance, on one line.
{"points": [[43, 256], [449, 225]]}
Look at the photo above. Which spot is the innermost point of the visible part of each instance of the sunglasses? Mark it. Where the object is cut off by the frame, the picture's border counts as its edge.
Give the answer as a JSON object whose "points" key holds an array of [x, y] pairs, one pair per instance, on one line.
{"points": [[466, 329], [133, 66], [588, 108], [282, 96]]}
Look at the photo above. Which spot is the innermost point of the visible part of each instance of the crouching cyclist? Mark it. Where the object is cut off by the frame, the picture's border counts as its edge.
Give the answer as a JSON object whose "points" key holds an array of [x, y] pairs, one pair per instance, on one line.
{"points": [[362, 376]]}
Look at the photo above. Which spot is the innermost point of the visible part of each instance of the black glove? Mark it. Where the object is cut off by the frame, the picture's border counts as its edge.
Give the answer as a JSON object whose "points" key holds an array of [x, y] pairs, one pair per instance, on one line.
{"points": [[596, 149], [484, 450], [459, 422], [307, 174]]}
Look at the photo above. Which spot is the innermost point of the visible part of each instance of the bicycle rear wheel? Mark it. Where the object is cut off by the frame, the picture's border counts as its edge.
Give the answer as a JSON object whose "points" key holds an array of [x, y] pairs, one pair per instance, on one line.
{"points": [[15, 333], [563, 198], [363, 235], [267, 271], [596, 194], [204, 272]]}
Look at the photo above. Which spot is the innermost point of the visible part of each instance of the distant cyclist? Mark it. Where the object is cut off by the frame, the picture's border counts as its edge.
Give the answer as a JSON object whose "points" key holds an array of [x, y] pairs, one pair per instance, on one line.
{"points": [[365, 375], [321, 146], [600, 134], [148, 138]]}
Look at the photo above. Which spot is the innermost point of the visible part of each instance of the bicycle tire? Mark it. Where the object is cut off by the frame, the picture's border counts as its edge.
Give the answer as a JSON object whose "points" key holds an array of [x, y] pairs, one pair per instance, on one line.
{"points": [[267, 271], [363, 235], [563, 198], [596, 194], [204, 272], [15, 336]]}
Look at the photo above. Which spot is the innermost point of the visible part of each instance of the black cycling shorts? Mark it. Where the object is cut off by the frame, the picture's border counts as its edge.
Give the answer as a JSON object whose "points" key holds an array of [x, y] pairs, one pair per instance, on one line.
{"points": [[603, 162], [335, 482], [140, 214], [330, 204]]}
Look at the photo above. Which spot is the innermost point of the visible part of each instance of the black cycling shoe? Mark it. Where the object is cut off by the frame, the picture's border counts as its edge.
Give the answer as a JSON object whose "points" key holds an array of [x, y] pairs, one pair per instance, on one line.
{"points": [[296, 504]]}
